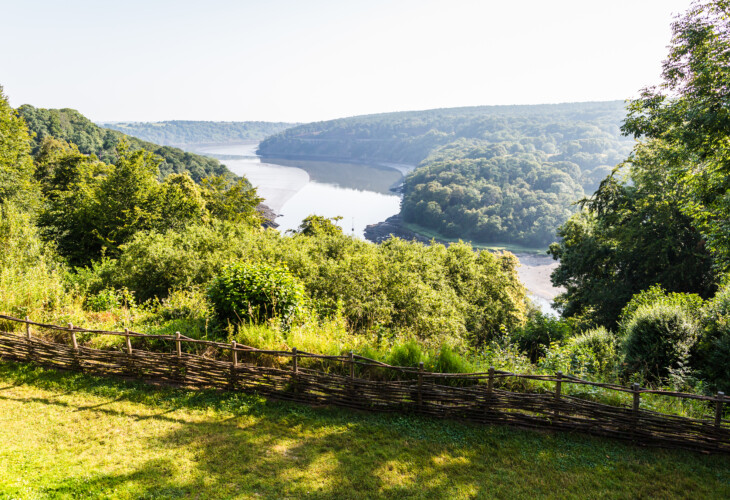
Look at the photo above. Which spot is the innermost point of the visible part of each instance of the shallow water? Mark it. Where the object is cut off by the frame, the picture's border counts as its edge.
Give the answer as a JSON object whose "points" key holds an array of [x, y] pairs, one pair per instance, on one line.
{"points": [[360, 194]]}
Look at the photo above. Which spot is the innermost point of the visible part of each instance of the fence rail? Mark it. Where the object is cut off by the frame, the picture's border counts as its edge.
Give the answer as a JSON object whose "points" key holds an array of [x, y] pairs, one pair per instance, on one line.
{"points": [[478, 397]]}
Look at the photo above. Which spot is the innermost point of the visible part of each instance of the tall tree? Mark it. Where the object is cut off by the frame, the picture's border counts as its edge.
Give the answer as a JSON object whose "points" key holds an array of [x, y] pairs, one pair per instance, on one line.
{"points": [[631, 235], [689, 112], [16, 165]]}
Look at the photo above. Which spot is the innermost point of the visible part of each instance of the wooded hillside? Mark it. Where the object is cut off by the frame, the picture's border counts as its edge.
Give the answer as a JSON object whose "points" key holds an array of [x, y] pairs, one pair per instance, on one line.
{"points": [[487, 173]]}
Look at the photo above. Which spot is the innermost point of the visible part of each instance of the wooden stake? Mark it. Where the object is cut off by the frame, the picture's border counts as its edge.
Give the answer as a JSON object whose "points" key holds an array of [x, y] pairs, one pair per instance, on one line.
{"points": [[637, 400], [558, 391], [295, 361], [27, 327], [718, 409], [420, 384], [179, 344], [352, 365], [490, 389], [129, 342], [73, 336], [234, 353]]}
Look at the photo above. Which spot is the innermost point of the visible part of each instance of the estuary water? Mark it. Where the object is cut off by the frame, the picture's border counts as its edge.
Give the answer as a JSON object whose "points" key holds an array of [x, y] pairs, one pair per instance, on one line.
{"points": [[360, 194]]}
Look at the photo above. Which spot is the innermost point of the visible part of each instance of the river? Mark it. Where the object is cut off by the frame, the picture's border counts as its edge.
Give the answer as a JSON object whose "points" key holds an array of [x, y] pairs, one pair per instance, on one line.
{"points": [[359, 193]]}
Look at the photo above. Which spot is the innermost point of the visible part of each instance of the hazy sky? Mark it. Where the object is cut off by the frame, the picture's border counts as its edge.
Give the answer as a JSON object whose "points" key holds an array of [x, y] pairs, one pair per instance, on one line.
{"points": [[299, 60]]}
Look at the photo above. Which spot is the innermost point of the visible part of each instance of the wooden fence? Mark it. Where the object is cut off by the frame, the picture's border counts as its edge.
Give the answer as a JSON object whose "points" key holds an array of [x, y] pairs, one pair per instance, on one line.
{"points": [[357, 382]]}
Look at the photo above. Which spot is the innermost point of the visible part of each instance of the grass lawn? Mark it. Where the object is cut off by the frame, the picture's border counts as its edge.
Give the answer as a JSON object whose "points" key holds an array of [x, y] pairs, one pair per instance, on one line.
{"points": [[65, 435]]}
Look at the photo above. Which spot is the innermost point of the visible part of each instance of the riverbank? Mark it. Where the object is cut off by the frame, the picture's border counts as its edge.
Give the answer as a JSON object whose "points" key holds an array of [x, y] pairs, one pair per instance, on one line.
{"points": [[534, 270]]}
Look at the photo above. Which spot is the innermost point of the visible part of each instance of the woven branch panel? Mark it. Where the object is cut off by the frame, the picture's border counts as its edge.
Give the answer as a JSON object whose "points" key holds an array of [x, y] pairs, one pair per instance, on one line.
{"points": [[413, 391]]}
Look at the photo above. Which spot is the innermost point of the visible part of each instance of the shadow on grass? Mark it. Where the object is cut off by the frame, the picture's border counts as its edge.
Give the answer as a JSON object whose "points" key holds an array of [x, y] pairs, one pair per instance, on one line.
{"points": [[251, 447]]}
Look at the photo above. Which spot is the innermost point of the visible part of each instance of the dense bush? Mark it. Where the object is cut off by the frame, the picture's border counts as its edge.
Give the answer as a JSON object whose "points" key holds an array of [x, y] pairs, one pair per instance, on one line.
{"points": [[659, 341], [433, 293], [540, 330], [714, 351], [254, 293], [594, 352]]}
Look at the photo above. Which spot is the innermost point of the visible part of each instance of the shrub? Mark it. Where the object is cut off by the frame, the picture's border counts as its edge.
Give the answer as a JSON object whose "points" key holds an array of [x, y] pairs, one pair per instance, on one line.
{"points": [[255, 293], [594, 352], [407, 354], [449, 361], [658, 342], [689, 302], [539, 332], [714, 350], [104, 300]]}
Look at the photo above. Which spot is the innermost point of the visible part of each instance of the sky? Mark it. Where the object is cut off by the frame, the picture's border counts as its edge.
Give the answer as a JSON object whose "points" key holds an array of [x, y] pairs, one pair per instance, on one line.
{"points": [[310, 60]]}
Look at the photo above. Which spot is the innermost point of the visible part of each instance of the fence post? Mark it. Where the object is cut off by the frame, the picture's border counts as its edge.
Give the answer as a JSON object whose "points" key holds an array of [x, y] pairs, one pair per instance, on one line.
{"points": [[558, 391], [295, 360], [234, 363], [129, 342], [420, 385], [27, 327], [635, 409], [352, 365], [73, 336], [179, 346], [718, 409], [490, 389]]}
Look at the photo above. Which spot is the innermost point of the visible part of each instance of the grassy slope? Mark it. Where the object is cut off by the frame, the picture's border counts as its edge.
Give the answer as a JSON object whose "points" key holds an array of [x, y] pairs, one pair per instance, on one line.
{"points": [[73, 436]]}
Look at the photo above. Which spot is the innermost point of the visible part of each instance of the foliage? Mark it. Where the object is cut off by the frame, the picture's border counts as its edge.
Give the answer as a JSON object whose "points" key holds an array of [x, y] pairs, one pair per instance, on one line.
{"points": [[31, 274], [594, 353], [434, 293], [659, 341], [318, 225], [538, 333], [691, 303], [16, 165], [714, 350], [71, 126], [245, 292], [180, 132], [93, 208], [231, 200], [688, 114], [490, 173], [630, 236], [408, 353]]}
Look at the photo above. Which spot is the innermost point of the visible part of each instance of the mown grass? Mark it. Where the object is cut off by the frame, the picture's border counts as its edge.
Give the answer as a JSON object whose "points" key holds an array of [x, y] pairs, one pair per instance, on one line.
{"points": [[66, 435]]}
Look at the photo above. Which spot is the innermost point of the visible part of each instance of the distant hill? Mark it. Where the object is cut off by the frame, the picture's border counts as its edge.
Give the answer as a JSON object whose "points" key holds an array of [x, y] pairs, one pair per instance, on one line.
{"points": [[488, 173], [181, 133], [72, 126]]}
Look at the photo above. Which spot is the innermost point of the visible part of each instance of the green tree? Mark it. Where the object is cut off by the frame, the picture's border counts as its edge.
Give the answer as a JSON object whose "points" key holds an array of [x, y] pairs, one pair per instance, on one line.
{"points": [[318, 225], [231, 200], [16, 165], [689, 115], [631, 235]]}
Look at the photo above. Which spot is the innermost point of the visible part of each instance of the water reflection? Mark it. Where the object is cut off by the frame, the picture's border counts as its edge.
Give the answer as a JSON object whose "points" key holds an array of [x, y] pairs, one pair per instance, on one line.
{"points": [[360, 194]]}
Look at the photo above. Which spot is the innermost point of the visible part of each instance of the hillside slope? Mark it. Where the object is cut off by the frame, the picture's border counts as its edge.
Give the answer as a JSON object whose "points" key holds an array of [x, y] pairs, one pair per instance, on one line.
{"points": [[72, 126], [183, 132], [488, 173]]}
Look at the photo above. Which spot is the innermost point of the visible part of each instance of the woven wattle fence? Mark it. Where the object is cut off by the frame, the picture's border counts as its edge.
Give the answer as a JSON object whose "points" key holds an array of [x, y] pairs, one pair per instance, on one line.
{"points": [[356, 382]]}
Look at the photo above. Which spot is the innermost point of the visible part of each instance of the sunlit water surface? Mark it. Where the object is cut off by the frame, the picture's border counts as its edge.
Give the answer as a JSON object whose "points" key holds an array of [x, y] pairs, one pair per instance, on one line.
{"points": [[360, 194]]}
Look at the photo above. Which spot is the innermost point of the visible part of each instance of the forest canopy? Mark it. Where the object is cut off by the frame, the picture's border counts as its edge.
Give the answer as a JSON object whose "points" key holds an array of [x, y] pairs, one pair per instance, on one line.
{"points": [[184, 132], [71, 126]]}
